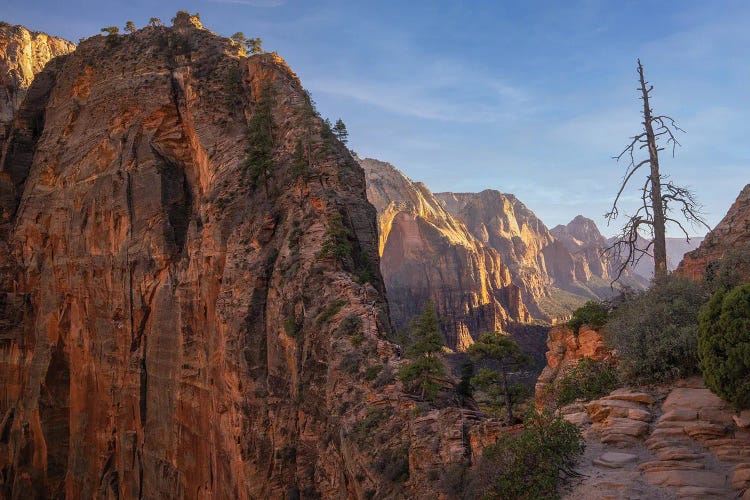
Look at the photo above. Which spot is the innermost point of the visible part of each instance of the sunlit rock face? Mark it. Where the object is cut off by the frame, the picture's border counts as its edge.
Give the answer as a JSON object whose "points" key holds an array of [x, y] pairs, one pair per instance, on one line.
{"points": [[171, 328], [484, 259], [23, 54], [730, 237], [426, 254]]}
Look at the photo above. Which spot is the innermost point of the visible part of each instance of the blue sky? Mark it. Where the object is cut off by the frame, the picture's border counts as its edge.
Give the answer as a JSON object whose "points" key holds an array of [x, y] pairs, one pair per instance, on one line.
{"points": [[532, 98]]}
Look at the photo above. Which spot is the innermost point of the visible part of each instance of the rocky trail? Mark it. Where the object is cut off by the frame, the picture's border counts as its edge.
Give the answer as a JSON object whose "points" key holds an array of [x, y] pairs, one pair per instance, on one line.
{"points": [[682, 442]]}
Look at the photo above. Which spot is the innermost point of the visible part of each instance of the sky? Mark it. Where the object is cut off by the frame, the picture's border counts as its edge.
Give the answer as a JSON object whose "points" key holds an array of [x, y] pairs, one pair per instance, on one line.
{"points": [[531, 98]]}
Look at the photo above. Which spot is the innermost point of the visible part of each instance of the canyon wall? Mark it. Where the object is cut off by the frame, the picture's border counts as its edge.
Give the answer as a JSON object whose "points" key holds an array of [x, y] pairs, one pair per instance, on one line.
{"points": [[426, 254], [730, 238], [187, 306]]}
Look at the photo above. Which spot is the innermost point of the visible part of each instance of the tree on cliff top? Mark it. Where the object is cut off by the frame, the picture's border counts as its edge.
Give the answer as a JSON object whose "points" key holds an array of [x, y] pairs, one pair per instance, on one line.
{"points": [[658, 199]]}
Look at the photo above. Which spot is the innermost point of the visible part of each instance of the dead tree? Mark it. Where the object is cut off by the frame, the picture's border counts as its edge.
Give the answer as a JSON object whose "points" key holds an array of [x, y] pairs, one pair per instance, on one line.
{"points": [[660, 197]]}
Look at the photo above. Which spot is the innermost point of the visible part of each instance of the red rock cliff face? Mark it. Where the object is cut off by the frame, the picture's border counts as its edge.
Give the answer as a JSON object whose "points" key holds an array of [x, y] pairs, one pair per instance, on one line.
{"points": [[170, 328], [731, 235], [426, 254]]}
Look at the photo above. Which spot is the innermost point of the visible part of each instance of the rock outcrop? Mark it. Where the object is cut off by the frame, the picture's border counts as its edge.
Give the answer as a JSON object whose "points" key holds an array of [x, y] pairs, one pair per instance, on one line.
{"points": [[177, 319], [564, 350], [730, 236], [426, 254], [23, 54]]}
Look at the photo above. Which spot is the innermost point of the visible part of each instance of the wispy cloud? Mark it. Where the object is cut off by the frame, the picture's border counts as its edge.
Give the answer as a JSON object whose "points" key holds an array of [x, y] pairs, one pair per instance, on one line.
{"points": [[445, 91]]}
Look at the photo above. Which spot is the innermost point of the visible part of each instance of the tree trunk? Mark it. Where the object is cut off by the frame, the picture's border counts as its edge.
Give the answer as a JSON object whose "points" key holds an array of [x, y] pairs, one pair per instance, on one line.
{"points": [[660, 247], [506, 391]]}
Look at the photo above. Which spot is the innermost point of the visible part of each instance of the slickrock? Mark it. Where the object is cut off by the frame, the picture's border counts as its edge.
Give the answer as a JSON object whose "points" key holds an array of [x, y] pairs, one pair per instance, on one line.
{"points": [[615, 460], [177, 323]]}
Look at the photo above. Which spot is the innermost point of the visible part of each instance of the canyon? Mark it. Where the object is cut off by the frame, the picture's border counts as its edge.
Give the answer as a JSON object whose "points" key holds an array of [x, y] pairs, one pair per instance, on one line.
{"points": [[484, 259], [184, 313]]}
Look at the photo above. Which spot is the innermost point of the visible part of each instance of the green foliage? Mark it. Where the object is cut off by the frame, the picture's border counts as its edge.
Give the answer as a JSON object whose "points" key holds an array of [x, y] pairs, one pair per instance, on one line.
{"points": [[350, 325], [130, 27], [291, 327], [258, 165], [528, 465], [464, 388], [425, 334], [728, 271], [112, 31], [372, 372], [393, 464], [329, 312], [588, 380], [592, 313], [357, 339], [300, 165], [505, 353], [336, 243], [374, 418], [421, 376], [655, 332], [724, 345], [339, 130], [385, 377], [155, 21], [351, 362]]}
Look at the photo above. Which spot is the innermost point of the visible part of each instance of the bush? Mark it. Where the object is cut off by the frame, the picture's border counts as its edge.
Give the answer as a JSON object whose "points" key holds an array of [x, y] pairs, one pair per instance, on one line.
{"points": [[593, 314], [527, 465], [329, 312], [655, 332], [588, 380], [724, 345]]}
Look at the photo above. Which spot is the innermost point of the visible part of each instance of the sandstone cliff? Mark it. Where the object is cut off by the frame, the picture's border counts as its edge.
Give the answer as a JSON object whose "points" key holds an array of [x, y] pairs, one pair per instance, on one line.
{"points": [[23, 54], [555, 272], [426, 254], [730, 236], [179, 303]]}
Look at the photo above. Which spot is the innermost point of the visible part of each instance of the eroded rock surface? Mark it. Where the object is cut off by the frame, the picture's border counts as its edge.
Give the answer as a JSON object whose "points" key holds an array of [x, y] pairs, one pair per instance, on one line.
{"points": [[731, 235], [178, 324]]}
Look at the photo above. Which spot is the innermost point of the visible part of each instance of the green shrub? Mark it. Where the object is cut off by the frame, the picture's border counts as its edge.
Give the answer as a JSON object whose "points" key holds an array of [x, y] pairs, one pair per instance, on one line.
{"points": [[291, 328], [393, 464], [527, 465], [655, 332], [372, 372], [593, 314], [724, 345], [351, 325], [329, 312], [588, 380], [335, 240]]}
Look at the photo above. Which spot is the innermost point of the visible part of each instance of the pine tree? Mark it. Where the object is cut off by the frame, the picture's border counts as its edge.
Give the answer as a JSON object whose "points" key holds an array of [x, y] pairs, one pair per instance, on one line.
{"points": [[339, 130], [130, 27], [503, 350], [426, 368]]}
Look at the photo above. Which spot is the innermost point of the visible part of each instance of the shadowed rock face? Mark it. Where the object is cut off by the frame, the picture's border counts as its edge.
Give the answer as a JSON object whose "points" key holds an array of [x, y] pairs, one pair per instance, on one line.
{"points": [[426, 254], [171, 329], [731, 235]]}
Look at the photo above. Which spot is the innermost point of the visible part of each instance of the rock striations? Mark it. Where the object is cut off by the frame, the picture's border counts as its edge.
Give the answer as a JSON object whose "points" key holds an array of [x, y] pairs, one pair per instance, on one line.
{"points": [[427, 254], [176, 322], [730, 236]]}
